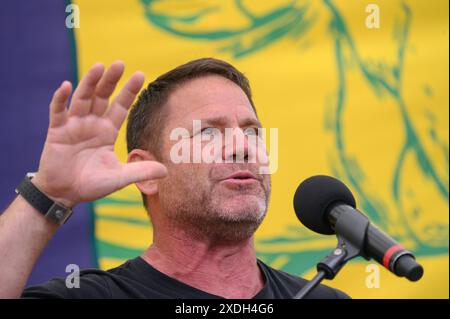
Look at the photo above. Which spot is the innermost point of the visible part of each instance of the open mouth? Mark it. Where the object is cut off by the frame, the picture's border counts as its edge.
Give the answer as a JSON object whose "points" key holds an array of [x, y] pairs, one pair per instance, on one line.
{"points": [[241, 175], [240, 178]]}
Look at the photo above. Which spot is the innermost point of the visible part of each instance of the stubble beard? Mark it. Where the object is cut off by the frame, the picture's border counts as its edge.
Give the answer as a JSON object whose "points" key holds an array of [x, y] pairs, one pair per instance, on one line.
{"points": [[205, 216]]}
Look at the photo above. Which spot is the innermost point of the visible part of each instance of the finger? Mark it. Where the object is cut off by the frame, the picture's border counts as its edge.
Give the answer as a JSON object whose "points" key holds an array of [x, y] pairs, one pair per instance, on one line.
{"points": [[58, 112], [83, 95], [105, 87], [117, 112], [140, 171]]}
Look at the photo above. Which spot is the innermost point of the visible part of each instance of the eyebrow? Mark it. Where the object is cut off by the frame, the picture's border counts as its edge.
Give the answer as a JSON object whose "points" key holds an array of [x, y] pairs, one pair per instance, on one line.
{"points": [[222, 120]]}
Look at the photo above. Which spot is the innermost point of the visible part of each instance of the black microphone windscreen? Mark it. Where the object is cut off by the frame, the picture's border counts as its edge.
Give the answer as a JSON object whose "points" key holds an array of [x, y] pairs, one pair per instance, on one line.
{"points": [[314, 198]]}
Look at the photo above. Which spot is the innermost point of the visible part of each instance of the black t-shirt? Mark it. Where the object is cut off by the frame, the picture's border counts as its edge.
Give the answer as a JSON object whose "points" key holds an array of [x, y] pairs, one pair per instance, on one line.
{"points": [[138, 279]]}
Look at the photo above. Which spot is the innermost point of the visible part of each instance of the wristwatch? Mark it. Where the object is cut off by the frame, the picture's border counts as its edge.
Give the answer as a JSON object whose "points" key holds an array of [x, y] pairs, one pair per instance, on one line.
{"points": [[53, 211]]}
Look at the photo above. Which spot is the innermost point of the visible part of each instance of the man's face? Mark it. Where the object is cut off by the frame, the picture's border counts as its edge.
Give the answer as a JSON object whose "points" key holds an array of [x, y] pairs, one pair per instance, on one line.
{"points": [[209, 199]]}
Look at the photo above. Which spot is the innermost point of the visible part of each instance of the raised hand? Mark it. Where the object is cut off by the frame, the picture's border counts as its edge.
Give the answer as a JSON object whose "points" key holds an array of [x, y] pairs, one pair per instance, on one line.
{"points": [[78, 162]]}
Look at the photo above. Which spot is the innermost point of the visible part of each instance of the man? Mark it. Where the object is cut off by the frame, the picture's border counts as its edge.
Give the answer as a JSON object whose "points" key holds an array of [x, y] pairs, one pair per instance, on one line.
{"points": [[204, 215]]}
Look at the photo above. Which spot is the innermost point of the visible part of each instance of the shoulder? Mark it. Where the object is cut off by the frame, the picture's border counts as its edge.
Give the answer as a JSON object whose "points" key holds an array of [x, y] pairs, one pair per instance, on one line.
{"points": [[286, 285], [90, 283]]}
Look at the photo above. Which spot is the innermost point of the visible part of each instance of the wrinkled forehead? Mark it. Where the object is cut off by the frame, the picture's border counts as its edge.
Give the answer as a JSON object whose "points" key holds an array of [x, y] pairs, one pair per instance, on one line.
{"points": [[206, 97]]}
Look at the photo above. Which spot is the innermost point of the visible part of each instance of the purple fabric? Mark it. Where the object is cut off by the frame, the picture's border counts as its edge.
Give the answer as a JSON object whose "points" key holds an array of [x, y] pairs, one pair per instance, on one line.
{"points": [[35, 58]]}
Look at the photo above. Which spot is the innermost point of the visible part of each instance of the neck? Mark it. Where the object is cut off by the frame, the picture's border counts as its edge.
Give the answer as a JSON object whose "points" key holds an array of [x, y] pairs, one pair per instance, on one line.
{"points": [[225, 269]]}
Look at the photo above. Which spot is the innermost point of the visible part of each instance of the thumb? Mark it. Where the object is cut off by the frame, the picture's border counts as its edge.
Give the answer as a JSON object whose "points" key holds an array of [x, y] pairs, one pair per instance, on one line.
{"points": [[141, 171]]}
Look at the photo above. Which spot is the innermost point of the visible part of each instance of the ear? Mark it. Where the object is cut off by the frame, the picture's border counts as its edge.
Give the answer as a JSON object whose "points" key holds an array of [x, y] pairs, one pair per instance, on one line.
{"points": [[149, 187]]}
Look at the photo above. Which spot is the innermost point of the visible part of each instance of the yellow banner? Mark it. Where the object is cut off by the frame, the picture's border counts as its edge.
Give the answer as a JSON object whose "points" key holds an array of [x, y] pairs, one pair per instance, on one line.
{"points": [[356, 91]]}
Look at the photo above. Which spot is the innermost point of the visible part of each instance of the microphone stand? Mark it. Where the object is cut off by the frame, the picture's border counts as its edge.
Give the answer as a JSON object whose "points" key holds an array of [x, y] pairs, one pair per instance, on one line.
{"points": [[347, 248], [310, 285]]}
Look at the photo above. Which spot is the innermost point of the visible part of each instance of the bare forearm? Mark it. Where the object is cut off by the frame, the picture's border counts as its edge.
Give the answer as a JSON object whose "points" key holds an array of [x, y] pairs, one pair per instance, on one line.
{"points": [[24, 233]]}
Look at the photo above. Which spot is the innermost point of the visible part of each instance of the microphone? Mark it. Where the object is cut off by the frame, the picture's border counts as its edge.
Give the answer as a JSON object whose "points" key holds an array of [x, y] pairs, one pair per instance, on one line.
{"points": [[326, 206]]}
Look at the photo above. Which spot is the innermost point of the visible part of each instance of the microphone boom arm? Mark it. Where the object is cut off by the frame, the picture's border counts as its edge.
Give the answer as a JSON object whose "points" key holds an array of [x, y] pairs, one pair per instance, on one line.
{"points": [[346, 249]]}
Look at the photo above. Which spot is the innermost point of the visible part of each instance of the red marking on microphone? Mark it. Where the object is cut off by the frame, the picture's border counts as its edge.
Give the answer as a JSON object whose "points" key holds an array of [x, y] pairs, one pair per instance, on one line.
{"points": [[388, 254]]}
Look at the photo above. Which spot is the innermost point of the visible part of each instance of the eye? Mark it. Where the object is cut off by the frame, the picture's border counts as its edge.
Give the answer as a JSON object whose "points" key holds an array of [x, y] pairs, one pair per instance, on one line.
{"points": [[251, 131], [209, 131]]}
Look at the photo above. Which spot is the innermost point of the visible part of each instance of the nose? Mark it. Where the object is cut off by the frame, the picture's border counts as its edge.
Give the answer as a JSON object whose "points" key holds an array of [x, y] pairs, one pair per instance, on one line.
{"points": [[236, 147]]}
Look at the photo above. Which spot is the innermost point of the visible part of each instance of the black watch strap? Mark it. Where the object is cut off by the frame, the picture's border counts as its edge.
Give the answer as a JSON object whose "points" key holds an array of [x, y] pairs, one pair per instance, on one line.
{"points": [[54, 211]]}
